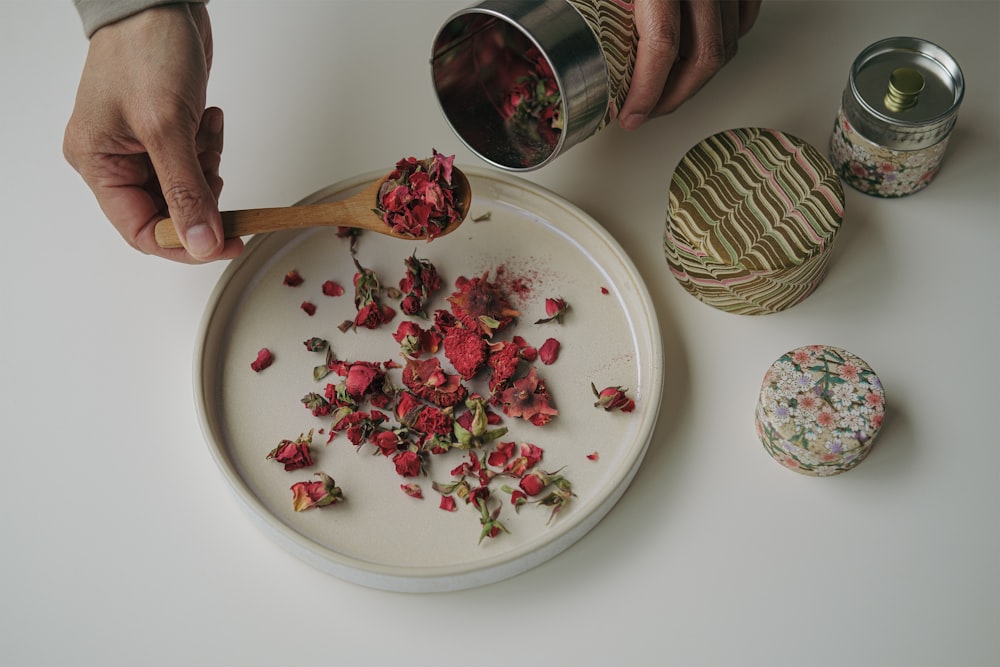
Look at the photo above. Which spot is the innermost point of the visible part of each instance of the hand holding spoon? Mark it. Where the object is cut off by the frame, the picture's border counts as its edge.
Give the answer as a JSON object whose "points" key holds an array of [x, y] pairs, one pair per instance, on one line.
{"points": [[357, 211]]}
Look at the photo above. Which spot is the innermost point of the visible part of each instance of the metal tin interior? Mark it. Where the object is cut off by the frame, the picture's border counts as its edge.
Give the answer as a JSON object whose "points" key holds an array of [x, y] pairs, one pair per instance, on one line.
{"points": [[926, 122], [477, 56]]}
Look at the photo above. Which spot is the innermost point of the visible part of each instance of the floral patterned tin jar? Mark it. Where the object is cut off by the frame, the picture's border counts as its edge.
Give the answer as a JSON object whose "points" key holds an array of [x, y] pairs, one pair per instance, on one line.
{"points": [[752, 218], [522, 81], [897, 112], [820, 410]]}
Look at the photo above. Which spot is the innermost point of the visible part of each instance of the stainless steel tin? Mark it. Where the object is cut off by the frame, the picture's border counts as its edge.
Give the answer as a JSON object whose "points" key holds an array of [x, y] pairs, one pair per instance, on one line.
{"points": [[896, 115], [479, 55]]}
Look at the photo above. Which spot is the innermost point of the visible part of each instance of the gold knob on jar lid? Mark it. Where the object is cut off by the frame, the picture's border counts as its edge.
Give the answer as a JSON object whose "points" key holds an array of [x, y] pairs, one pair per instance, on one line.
{"points": [[905, 84]]}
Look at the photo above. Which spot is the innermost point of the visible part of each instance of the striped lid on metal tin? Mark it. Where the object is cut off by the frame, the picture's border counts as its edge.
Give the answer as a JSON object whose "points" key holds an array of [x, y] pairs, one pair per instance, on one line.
{"points": [[753, 214]]}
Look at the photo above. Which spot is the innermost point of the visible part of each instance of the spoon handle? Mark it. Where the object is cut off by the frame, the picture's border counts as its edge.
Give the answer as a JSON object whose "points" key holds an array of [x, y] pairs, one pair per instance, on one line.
{"points": [[258, 220]]}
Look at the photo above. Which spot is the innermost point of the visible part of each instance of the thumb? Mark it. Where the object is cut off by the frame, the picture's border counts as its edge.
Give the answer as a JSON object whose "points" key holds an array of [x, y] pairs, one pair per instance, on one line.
{"points": [[190, 202]]}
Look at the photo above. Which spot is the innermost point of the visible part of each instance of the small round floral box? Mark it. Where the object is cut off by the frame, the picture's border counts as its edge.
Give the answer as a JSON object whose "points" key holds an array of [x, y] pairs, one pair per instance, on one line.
{"points": [[820, 409]]}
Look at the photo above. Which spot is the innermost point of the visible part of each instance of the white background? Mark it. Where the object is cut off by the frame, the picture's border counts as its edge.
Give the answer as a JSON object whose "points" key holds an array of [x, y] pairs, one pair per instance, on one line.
{"points": [[123, 545]]}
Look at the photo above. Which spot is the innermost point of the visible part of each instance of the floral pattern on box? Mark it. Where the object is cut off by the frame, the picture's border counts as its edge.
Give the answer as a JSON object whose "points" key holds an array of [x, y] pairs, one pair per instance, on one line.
{"points": [[820, 410], [879, 171]]}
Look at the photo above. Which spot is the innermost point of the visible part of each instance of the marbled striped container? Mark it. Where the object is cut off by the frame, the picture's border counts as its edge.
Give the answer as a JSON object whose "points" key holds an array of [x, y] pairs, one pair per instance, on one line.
{"points": [[479, 57], [752, 219]]}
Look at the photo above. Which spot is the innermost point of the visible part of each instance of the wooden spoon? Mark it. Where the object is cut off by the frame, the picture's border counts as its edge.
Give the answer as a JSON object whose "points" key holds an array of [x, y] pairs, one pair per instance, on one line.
{"points": [[356, 211]]}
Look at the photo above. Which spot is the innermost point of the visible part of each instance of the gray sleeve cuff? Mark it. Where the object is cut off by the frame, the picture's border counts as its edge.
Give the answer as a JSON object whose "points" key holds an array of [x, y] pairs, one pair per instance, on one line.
{"points": [[96, 14]]}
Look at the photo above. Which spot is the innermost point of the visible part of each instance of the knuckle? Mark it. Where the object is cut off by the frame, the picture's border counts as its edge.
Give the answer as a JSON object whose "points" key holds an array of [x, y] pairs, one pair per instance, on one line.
{"points": [[183, 201], [713, 54]]}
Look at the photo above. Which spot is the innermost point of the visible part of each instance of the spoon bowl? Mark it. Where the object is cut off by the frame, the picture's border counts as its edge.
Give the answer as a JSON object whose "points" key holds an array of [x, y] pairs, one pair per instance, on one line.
{"points": [[357, 211]]}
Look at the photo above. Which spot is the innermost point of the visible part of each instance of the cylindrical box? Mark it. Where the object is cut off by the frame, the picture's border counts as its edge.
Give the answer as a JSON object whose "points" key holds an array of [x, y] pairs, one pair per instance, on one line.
{"points": [[752, 218], [896, 115], [820, 410], [522, 81]]}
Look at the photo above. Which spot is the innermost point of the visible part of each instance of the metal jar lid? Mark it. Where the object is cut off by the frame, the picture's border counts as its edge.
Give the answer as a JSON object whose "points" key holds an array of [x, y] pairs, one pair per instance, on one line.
{"points": [[903, 93]]}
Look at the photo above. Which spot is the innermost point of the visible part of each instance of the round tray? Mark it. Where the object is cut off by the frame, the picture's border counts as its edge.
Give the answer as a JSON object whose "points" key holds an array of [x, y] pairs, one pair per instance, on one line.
{"points": [[533, 242]]}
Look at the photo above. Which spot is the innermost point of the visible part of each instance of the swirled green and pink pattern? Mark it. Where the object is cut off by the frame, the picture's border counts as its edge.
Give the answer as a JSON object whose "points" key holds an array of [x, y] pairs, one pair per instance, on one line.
{"points": [[820, 409], [612, 23], [752, 217]]}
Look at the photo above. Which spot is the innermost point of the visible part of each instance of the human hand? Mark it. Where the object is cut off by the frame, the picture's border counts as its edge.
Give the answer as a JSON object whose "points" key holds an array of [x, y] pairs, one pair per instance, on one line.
{"points": [[141, 137], [682, 44]]}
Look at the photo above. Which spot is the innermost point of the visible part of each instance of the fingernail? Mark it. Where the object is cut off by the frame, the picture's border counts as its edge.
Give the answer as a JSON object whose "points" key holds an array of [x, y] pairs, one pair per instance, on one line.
{"points": [[633, 121], [200, 241], [214, 121]]}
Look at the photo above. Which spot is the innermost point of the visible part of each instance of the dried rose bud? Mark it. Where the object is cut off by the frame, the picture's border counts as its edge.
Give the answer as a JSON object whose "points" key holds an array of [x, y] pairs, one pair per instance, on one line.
{"points": [[612, 398], [487, 518], [293, 279], [407, 463], [532, 483], [263, 360], [554, 309], [315, 344], [317, 404], [293, 454], [307, 495]]}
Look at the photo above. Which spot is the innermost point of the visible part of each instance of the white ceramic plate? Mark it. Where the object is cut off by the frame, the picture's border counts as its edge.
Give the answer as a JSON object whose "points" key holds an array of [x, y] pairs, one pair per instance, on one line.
{"points": [[380, 537]]}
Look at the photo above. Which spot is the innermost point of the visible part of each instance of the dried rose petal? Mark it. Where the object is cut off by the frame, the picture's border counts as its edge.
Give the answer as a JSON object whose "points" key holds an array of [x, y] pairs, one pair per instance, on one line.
{"points": [[331, 288], [549, 351], [604, 290], [448, 503], [418, 197], [466, 350], [528, 398], [427, 380], [528, 456], [263, 360], [309, 308], [412, 490], [416, 342], [593, 456], [501, 454], [293, 279]]}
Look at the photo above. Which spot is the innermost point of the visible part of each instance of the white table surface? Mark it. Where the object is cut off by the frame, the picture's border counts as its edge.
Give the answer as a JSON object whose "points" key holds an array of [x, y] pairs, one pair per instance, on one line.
{"points": [[123, 545]]}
